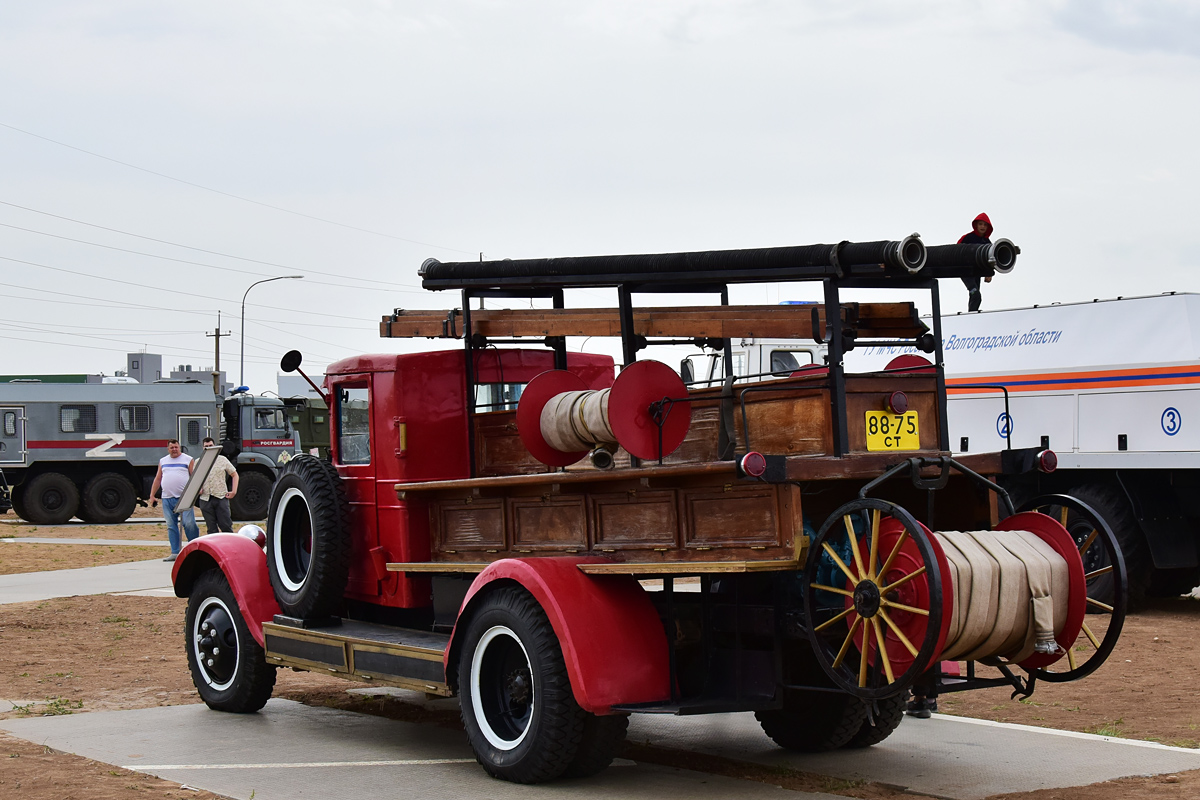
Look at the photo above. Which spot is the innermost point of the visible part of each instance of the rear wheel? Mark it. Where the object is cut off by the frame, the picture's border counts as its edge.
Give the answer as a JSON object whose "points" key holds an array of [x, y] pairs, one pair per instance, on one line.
{"points": [[253, 497], [108, 497], [813, 722], [16, 497], [1115, 510], [888, 714], [517, 705], [229, 668], [50, 499]]}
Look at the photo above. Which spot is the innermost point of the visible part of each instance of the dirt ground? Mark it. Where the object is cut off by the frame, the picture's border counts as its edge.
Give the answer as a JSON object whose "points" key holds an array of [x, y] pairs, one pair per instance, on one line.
{"points": [[130, 655]]}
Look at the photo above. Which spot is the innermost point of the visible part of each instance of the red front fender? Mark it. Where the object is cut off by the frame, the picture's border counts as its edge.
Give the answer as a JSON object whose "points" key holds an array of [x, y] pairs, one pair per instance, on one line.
{"points": [[245, 566], [611, 637]]}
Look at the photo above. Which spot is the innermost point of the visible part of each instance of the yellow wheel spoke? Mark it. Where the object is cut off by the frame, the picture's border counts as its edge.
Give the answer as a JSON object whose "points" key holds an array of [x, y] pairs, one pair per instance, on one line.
{"points": [[832, 620], [1071, 656], [1083, 548], [887, 663], [895, 552], [883, 601], [840, 564], [902, 581], [837, 662], [823, 588], [1098, 604], [874, 554], [899, 633], [1098, 573], [858, 562], [868, 624], [1062, 515], [1091, 636]]}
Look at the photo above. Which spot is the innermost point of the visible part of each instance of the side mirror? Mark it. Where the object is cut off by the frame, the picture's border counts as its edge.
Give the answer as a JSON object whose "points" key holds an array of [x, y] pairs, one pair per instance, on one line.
{"points": [[290, 361], [686, 372]]}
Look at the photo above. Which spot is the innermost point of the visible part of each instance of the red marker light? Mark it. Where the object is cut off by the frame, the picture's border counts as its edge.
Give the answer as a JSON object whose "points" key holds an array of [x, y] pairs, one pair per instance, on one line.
{"points": [[754, 464], [898, 402], [1047, 461]]}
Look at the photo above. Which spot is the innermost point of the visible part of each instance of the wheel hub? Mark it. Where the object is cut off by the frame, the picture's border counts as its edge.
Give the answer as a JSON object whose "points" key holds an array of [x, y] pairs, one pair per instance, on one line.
{"points": [[517, 684], [216, 644], [866, 599]]}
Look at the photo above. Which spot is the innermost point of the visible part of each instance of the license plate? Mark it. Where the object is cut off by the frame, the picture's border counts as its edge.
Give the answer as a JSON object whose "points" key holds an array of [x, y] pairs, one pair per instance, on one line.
{"points": [[892, 431]]}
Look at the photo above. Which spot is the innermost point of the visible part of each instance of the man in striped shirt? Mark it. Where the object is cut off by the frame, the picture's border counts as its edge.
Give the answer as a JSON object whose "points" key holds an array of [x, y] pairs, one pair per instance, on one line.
{"points": [[174, 469]]}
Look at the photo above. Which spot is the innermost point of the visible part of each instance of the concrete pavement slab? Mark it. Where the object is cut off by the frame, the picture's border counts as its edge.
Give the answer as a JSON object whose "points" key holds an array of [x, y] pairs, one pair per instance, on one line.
{"points": [[120, 542], [289, 750], [80, 523], [128, 577], [945, 756]]}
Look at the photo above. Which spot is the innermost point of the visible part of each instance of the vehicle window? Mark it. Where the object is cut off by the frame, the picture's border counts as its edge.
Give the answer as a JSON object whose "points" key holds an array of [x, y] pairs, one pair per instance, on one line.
{"points": [[133, 419], [354, 430], [192, 433], [10, 423], [785, 362], [497, 396], [77, 419], [270, 419]]}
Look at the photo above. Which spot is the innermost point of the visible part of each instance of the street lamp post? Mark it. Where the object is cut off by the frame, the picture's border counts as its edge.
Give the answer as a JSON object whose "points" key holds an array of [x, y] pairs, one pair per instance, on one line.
{"points": [[242, 369]]}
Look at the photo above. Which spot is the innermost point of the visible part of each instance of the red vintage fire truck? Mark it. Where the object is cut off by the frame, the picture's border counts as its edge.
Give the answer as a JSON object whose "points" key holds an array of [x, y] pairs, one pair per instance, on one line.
{"points": [[561, 545]]}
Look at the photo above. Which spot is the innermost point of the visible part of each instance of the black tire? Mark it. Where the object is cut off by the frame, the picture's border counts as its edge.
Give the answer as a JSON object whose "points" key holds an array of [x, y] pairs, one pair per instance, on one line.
{"points": [[308, 539], [229, 668], [813, 722], [50, 499], [1108, 502], [253, 498], [888, 714], [108, 497], [517, 705], [16, 497], [602, 737]]}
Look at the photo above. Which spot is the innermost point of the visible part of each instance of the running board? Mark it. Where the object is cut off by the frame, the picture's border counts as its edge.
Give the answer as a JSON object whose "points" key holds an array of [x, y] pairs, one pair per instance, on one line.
{"points": [[362, 651]]}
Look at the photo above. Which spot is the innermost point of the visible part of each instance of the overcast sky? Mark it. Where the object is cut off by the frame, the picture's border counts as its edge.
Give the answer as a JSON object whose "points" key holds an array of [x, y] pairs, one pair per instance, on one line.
{"points": [[210, 145]]}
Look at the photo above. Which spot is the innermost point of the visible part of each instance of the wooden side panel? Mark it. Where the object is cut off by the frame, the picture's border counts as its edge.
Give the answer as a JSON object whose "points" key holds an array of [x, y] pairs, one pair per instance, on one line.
{"points": [[871, 394], [553, 522], [788, 425], [474, 524], [635, 520], [735, 515], [498, 446]]}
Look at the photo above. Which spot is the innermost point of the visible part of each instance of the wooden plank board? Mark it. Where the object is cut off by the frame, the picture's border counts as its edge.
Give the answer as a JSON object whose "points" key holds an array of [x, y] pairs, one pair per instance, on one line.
{"points": [[878, 320]]}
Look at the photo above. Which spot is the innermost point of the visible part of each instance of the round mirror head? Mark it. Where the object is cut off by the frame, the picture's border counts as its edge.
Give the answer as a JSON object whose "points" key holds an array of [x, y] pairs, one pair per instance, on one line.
{"points": [[290, 361]]}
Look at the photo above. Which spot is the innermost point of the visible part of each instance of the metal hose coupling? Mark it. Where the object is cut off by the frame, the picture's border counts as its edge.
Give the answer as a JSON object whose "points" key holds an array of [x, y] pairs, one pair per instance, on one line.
{"points": [[1002, 255]]}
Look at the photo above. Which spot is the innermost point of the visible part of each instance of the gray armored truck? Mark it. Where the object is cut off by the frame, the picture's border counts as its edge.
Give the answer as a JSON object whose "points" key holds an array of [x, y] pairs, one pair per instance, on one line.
{"points": [[91, 450]]}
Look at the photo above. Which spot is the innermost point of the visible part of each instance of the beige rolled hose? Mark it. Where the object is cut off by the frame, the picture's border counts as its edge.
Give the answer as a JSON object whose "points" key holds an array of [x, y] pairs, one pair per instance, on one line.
{"points": [[576, 421], [1010, 591]]}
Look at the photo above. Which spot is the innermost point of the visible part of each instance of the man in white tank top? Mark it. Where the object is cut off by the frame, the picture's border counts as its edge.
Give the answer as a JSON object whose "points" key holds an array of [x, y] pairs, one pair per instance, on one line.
{"points": [[174, 469]]}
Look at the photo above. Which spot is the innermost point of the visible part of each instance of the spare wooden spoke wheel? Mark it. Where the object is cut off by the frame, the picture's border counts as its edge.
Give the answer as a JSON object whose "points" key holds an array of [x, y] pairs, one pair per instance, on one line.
{"points": [[873, 598], [1107, 586]]}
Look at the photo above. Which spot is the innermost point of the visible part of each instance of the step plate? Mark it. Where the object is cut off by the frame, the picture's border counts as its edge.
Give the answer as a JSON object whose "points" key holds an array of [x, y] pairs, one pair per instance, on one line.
{"points": [[363, 651]]}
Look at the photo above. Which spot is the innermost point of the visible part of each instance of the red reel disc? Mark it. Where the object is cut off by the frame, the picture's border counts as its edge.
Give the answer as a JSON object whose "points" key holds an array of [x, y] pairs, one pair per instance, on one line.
{"points": [[1050, 531], [915, 593], [538, 392], [639, 385]]}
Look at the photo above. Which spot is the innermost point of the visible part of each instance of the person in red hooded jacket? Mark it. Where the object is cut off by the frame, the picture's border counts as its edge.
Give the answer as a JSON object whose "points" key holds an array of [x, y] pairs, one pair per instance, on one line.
{"points": [[981, 232]]}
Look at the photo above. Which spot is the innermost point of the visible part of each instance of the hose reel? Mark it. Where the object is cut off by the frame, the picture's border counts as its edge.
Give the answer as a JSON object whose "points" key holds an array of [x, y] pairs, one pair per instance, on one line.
{"points": [[887, 599], [560, 420]]}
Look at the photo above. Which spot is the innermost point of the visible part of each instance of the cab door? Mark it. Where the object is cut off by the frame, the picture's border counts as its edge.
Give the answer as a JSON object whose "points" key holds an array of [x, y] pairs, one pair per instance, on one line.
{"points": [[351, 445], [12, 435]]}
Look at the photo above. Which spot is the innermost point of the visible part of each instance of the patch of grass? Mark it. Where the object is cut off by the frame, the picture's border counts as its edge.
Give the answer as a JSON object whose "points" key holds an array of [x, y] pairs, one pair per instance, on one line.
{"points": [[1108, 728], [1192, 744], [62, 675]]}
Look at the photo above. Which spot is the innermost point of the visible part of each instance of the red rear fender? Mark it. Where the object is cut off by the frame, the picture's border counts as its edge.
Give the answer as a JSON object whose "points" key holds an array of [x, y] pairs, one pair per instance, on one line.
{"points": [[245, 566], [611, 637]]}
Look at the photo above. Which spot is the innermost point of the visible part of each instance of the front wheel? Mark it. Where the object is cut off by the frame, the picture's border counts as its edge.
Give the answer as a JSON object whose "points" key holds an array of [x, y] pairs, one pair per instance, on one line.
{"points": [[50, 499], [229, 668], [517, 706]]}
